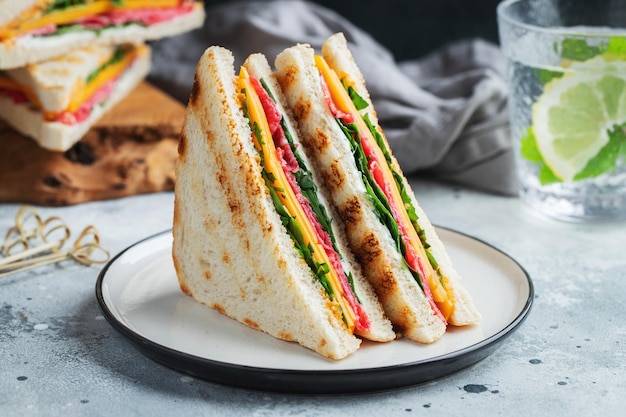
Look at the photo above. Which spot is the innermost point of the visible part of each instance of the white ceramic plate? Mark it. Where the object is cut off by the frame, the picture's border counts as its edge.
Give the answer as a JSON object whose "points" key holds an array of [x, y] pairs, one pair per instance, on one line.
{"points": [[139, 295]]}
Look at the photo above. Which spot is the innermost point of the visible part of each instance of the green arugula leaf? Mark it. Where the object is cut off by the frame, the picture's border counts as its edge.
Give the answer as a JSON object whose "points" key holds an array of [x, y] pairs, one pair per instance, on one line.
{"points": [[406, 199], [359, 102], [60, 5], [381, 205], [117, 56]]}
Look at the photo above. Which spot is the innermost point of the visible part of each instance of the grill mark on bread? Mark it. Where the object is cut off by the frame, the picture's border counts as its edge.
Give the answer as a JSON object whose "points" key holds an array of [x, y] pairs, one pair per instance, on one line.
{"points": [[219, 308], [226, 258], [320, 141], [182, 146], [403, 319], [251, 323], [282, 263], [288, 77], [220, 175], [210, 223], [351, 212], [234, 204], [207, 275], [302, 109], [286, 336], [368, 250], [335, 178], [386, 283], [195, 91], [255, 188], [184, 288]]}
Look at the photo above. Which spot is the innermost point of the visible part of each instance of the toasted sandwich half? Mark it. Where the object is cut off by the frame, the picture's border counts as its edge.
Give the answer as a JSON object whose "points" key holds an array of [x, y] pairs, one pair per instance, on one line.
{"points": [[56, 102], [254, 237], [36, 30], [392, 238]]}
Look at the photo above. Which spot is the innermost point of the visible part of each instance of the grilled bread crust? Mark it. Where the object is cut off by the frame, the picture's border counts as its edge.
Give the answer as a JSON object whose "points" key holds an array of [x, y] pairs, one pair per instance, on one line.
{"points": [[25, 50], [11, 9], [230, 250], [336, 53], [57, 136], [403, 301], [381, 329]]}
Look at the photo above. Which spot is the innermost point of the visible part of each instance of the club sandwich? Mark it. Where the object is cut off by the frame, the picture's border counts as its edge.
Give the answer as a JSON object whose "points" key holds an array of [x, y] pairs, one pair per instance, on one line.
{"points": [[254, 236]]}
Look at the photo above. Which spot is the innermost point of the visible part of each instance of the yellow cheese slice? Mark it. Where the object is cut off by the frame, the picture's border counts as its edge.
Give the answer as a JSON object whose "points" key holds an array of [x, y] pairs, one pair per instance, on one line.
{"points": [[21, 26], [85, 91], [286, 195], [344, 103]]}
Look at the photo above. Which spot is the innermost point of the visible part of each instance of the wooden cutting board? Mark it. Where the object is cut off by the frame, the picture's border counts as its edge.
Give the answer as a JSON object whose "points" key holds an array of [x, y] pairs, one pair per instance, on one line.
{"points": [[131, 150]]}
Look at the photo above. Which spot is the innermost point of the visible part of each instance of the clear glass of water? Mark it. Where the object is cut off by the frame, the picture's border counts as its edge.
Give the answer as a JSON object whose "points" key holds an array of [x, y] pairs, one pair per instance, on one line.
{"points": [[566, 69]]}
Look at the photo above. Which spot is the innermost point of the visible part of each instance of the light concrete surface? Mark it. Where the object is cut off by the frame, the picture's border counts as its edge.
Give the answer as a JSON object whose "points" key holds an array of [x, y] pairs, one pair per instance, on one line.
{"points": [[60, 357]]}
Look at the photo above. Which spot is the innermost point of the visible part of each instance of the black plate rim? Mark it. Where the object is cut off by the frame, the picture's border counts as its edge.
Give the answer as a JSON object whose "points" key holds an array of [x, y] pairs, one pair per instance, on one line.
{"points": [[351, 381]]}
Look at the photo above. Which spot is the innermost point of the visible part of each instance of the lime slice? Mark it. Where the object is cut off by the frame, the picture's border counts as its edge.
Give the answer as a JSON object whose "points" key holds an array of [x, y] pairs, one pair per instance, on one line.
{"points": [[572, 117]]}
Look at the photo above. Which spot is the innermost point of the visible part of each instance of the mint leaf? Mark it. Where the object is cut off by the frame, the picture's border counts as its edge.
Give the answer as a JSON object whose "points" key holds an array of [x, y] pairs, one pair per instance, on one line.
{"points": [[578, 50], [530, 152], [606, 160], [546, 176], [617, 46], [529, 148], [546, 76]]}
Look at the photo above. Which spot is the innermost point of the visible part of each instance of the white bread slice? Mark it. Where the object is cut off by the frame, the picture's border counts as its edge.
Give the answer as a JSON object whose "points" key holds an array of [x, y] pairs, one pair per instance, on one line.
{"points": [[57, 136], [18, 52], [55, 80], [230, 250], [403, 301], [381, 329], [11, 9], [336, 53]]}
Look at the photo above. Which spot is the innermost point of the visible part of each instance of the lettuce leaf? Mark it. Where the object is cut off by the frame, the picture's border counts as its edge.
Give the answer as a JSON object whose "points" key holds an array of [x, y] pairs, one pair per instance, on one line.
{"points": [[60, 5]]}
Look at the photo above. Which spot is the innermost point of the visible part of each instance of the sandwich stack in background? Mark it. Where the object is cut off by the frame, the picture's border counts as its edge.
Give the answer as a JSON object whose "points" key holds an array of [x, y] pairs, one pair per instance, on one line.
{"points": [[66, 63]]}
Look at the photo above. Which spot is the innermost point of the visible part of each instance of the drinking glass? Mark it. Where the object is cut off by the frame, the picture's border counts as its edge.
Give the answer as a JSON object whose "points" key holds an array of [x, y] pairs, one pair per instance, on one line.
{"points": [[566, 71]]}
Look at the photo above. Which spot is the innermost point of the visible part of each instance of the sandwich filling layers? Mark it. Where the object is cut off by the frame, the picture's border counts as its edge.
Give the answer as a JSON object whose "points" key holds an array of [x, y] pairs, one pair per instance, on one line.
{"points": [[385, 188], [62, 16], [96, 88], [295, 197]]}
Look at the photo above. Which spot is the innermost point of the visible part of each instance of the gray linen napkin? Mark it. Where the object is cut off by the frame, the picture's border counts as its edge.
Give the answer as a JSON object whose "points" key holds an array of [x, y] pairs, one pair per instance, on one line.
{"points": [[444, 115]]}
